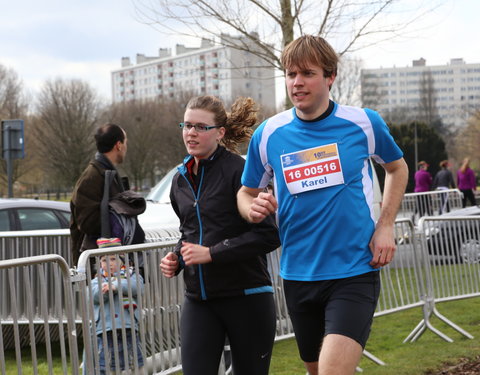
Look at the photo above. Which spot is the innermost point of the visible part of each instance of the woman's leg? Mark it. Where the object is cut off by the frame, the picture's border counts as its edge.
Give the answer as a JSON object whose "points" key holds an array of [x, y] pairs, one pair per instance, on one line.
{"points": [[251, 323], [202, 338]]}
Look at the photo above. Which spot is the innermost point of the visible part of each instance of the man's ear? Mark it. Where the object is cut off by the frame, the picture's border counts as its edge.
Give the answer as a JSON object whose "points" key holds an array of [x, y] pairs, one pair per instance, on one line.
{"points": [[330, 80]]}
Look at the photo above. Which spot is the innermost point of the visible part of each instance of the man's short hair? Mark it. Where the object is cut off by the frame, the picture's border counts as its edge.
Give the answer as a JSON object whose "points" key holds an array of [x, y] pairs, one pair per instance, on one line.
{"points": [[107, 136], [309, 49]]}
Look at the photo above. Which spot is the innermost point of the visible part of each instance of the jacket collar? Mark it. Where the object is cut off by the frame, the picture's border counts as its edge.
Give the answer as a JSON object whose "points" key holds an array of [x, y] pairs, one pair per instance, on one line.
{"points": [[186, 167], [104, 161]]}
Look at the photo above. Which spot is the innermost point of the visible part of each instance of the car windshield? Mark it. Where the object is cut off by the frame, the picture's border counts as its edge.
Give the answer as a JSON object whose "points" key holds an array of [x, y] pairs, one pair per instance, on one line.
{"points": [[161, 192]]}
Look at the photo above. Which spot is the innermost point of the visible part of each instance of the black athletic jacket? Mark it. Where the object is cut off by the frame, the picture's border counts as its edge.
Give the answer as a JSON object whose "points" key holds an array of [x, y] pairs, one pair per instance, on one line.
{"points": [[206, 205]]}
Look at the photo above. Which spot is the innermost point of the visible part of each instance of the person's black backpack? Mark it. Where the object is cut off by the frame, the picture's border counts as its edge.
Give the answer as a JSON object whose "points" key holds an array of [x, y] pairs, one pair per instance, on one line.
{"points": [[119, 213]]}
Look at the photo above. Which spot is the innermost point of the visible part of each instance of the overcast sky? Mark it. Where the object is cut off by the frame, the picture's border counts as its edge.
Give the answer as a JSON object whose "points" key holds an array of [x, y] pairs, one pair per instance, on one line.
{"points": [[86, 39]]}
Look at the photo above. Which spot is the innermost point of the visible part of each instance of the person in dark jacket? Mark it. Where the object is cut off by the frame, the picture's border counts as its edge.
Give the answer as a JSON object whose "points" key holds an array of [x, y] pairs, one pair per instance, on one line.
{"points": [[228, 288], [443, 180], [85, 220]]}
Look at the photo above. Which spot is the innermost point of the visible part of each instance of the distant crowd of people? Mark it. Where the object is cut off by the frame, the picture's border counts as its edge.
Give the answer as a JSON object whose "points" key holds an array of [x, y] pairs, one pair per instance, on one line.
{"points": [[444, 180]]}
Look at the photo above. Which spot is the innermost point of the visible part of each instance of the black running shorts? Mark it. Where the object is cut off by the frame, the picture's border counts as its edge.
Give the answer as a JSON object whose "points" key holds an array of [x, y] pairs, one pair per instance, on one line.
{"points": [[342, 306]]}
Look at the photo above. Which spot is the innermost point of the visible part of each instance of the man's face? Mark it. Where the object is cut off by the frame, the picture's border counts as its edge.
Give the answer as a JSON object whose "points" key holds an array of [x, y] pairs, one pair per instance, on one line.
{"points": [[308, 90]]}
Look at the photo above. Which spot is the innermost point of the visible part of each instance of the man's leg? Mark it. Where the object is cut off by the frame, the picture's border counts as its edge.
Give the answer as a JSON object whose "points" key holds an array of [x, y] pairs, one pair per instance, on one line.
{"points": [[348, 318], [308, 322], [312, 368], [345, 333], [340, 355]]}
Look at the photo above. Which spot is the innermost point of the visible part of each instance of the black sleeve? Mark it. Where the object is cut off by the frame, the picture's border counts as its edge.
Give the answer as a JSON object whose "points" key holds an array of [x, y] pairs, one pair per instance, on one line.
{"points": [[260, 239]]}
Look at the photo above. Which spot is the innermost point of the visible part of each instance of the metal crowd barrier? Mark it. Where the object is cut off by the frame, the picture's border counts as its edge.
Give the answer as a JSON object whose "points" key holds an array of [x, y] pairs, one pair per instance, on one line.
{"points": [[451, 247], [430, 203], [402, 280], [52, 303], [30, 323], [157, 308], [25, 244]]}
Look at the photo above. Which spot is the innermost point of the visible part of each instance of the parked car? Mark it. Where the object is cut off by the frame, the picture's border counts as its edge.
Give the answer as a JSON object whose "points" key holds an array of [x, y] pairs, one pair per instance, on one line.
{"points": [[159, 212], [32, 214], [455, 241]]}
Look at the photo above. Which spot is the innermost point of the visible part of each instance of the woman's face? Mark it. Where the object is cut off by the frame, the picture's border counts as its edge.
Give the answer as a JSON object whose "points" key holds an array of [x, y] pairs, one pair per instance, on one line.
{"points": [[201, 144]]}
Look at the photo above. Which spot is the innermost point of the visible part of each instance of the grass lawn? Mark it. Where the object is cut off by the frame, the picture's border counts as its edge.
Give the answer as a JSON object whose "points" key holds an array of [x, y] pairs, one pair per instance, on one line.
{"points": [[429, 352]]}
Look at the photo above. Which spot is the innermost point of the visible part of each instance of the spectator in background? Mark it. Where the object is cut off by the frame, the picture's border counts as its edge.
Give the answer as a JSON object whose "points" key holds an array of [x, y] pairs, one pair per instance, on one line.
{"points": [[466, 182], [112, 285], [443, 181], [423, 182], [85, 221]]}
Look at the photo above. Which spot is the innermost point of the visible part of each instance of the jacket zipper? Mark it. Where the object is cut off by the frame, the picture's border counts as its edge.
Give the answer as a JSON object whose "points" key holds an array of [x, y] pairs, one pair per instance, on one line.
{"points": [[197, 208]]}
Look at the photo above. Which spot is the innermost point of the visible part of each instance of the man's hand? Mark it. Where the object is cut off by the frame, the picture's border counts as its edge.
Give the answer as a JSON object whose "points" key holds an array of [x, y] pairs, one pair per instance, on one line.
{"points": [[195, 254], [382, 245], [169, 264], [255, 205]]}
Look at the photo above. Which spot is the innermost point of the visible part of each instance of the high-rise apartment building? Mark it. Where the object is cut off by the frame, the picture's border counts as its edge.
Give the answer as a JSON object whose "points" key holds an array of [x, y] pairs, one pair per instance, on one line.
{"points": [[450, 92], [211, 69]]}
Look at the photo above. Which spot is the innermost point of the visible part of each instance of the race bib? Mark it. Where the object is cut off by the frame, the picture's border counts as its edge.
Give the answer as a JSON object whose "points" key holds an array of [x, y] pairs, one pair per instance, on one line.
{"points": [[311, 169]]}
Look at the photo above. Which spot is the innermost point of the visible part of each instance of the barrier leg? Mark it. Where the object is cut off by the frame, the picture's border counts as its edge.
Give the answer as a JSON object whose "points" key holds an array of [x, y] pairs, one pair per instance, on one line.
{"points": [[451, 324], [373, 358]]}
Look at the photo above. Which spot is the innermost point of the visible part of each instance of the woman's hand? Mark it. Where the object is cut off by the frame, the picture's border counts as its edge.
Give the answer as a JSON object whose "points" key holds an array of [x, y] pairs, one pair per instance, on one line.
{"points": [[169, 265], [195, 254]]}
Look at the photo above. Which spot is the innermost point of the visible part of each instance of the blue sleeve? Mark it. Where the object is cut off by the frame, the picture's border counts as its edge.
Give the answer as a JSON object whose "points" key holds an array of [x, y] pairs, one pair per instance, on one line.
{"points": [[136, 285], [96, 292], [254, 170], [386, 150]]}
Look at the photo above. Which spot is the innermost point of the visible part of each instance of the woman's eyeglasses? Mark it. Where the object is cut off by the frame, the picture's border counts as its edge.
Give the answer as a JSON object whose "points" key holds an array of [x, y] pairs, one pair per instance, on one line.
{"points": [[186, 126]]}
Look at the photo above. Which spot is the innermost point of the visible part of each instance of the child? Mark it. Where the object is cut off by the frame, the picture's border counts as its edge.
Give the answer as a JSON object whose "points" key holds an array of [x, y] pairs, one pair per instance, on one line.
{"points": [[113, 274]]}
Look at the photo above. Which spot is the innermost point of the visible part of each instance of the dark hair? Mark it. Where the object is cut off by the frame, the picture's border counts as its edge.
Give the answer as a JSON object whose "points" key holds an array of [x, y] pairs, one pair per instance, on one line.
{"points": [[238, 123], [107, 136], [310, 49]]}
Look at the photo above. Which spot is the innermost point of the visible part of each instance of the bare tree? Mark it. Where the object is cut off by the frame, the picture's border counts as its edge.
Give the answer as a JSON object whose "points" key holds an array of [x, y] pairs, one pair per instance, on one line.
{"points": [[427, 107], [465, 144], [399, 115], [346, 89], [13, 105], [67, 117], [154, 141], [371, 95], [269, 26]]}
